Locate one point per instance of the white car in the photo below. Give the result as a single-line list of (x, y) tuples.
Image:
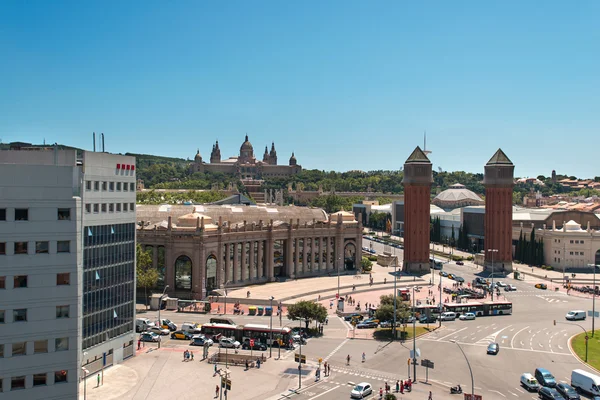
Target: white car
[(229, 343), (500, 283), (510, 288), (361, 390), (158, 330), (467, 316)]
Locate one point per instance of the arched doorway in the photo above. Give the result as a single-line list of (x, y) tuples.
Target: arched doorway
[(349, 256), (597, 259), (211, 273), (183, 273)]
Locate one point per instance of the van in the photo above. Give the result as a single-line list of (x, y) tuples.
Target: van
[(529, 382), (190, 327), (448, 316), (575, 315), (545, 378), (141, 324), (585, 382)]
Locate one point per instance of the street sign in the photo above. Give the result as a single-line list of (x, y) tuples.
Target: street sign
[(473, 397), (251, 342), (418, 353), (226, 383), (427, 363), (300, 358)]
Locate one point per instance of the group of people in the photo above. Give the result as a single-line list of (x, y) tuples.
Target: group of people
[(401, 386), (188, 355)]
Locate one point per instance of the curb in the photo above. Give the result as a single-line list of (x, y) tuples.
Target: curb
[(577, 357)]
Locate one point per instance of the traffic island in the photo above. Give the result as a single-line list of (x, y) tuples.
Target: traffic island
[(593, 348), (386, 333), (229, 359)]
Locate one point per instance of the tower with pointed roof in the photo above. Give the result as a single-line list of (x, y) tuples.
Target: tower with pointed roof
[(293, 160), (215, 155), (266, 155), (499, 182), (246, 152), (417, 193), (273, 155)]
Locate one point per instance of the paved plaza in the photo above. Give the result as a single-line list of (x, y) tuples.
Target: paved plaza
[(528, 339)]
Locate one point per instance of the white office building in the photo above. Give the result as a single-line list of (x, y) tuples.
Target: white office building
[(67, 269)]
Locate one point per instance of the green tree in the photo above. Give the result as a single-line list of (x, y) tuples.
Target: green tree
[(146, 275), (385, 312), (390, 396), (307, 311), (366, 264)]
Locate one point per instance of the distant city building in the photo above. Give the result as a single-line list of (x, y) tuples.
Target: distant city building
[(570, 246), (67, 275), (457, 196), (245, 165)]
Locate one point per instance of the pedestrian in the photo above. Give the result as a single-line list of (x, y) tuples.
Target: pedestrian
[(217, 391), (328, 369), (397, 386), (387, 388), (215, 374), (139, 343), (98, 379), (192, 355), (258, 363), (380, 393), (331, 304), (326, 320), (225, 393), (430, 396), (325, 368), (401, 387), (364, 357), (348, 359), (247, 365)]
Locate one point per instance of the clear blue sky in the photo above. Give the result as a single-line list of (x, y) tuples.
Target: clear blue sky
[(343, 84)]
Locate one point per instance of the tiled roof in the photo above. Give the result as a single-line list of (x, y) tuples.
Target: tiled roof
[(499, 158), (417, 156)]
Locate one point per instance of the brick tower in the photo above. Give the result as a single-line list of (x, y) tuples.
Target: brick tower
[(417, 189), (498, 181)]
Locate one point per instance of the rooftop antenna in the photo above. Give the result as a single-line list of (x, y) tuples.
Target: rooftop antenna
[(94, 141), (102, 142), (427, 152)]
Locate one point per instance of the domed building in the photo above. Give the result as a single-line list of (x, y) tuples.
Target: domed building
[(245, 165), (457, 196)]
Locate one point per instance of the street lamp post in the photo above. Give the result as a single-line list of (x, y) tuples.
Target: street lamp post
[(493, 251), (414, 339), (85, 372), (584, 331), (271, 329), (300, 359), (160, 306), (225, 301), (395, 295), (593, 299), (470, 370)]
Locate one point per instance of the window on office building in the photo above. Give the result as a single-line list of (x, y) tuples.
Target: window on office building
[(88, 208), (19, 349), (111, 186), (42, 247), (96, 208), (1, 316), (96, 185), (2, 248), (131, 206), (118, 207), (21, 214), (118, 186), (63, 278), (1, 354), (40, 346), (64, 214), (63, 246), (62, 311), (17, 382), (39, 379), (20, 247), (2, 214), (20, 281), (125, 186), (581, 241), (571, 253), (20, 315), (88, 185), (103, 207), (61, 344), (111, 207), (124, 207), (132, 187), (2, 282), (104, 186), (60, 376)]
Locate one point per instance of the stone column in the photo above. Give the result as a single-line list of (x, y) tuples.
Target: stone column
[(198, 270), (321, 254), (251, 274), (260, 269), (221, 273), (228, 276), (154, 257), (304, 255), (169, 266), (297, 256), (270, 265), (328, 265), (289, 256), (235, 271)]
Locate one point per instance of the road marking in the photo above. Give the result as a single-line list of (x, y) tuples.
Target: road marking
[(515, 335), (453, 333), (336, 349), (519, 390), (514, 394), (560, 347), (495, 391), (541, 345)]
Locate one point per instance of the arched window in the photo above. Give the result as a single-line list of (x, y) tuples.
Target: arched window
[(349, 256), (211, 273), (597, 260), (160, 266), (183, 273)]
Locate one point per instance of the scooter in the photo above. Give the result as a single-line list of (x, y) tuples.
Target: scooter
[(456, 390)]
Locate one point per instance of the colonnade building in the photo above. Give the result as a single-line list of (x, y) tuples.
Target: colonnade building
[(200, 248)]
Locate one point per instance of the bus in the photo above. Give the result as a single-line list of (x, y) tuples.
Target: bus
[(215, 331), (435, 264), (222, 320), (262, 334), (427, 310), (487, 308)]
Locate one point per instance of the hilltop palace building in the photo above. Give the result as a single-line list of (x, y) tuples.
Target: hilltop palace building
[(246, 166)]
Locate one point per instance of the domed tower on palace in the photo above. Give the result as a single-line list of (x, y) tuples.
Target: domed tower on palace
[(499, 182), (266, 155), (198, 157), (246, 152), (273, 155), (417, 182), (293, 160), (215, 155)]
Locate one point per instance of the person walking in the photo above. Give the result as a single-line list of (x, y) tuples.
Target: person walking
[(325, 368), (430, 396), (192, 355), (401, 387), (98, 379), (380, 393), (397, 386), (217, 391), (348, 359), (258, 363), (364, 356)]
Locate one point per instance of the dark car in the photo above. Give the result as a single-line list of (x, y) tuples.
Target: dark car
[(547, 393), (544, 377), (444, 274), (493, 348), (367, 324), (459, 279), (257, 346), (460, 263), (424, 319), (567, 391), (353, 316)]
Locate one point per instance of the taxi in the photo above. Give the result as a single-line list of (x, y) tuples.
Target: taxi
[(181, 335), (542, 286)]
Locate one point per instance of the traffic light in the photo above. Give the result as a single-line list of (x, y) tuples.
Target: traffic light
[(554, 322), (226, 383)]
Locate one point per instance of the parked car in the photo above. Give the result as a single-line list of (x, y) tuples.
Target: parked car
[(510, 288), (467, 316), (547, 393), (356, 316), (149, 337), (447, 316), (529, 382), (158, 330), (450, 276), (567, 391), (424, 319), (367, 324), (542, 286), (575, 315), (460, 263), (181, 335), (386, 324), (493, 348), (229, 343), (257, 346), (168, 324), (480, 280), (545, 378), (459, 279), (200, 340), (501, 284), (361, 390), (444, 274)]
